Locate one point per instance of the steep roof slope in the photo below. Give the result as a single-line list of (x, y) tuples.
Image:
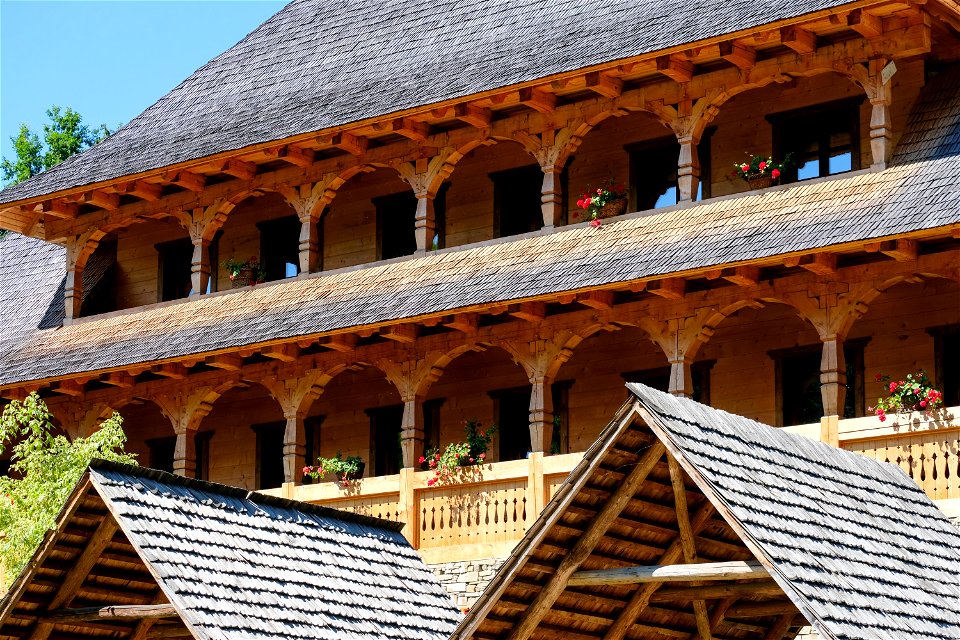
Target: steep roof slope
[(236, 564), (322, 63), (919, 191), (849, 544)]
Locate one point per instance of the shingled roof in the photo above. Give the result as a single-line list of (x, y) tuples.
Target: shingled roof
[(319, 64), (853, 544), (234, 564), (917, 192)]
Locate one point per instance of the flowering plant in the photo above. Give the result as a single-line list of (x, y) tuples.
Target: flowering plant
[(344, 468), (594, 200), (760, 167), (916, 393), (234, 267), (448, 465)]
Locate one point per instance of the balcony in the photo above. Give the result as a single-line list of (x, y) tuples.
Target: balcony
[(485, 515)]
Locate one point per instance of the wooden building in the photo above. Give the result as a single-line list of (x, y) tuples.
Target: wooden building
[(408, 179), (142, 554)]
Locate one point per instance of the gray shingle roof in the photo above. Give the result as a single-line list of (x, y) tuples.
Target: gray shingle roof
[(919, 191), (240, 565), (321, 63), (856, 544)]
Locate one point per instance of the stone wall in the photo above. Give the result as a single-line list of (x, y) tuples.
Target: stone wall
[(466, 580)]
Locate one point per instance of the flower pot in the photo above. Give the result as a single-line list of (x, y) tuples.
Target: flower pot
[(245, 278), (611, 209), (760, 182)]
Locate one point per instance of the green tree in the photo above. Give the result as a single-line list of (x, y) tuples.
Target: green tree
[(64, 135), (45, 468)]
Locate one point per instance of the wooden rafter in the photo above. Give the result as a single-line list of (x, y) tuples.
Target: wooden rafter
[(687, 541), (586, 543), (660, 573), (115, 612)]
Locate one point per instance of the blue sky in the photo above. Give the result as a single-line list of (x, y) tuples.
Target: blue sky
[(108, 60)]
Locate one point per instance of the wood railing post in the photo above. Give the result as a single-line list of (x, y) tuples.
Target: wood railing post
[(409, 508), (535, 485)]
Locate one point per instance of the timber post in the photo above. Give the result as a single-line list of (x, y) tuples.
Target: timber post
[(295, 394), (185, 412), (308, 201), (79, 249), (412, 377), (552, 149), (425, 176), (202, 223)]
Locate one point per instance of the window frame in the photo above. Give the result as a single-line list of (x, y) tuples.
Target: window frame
[(272, 234), (500, 178), (636, 149), (793, 120), (941, 334), (262, 431), (164, 248), (378, 419)]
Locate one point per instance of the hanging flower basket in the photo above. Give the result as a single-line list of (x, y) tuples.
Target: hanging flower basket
[(244, 278), (604, 202), (246, 273), (760, 182), (611, 209)]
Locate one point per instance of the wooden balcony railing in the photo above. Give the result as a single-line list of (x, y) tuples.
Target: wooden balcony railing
[(490, 508)]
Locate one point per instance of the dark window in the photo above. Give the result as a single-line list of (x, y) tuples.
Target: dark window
[(798, 383), (161, 452), (560, 442), (516, 200), (653, 172), (396, 223), (311, 428), (99, 280), (946, 345), (823, 140), (386, 458), (175, 266), (431, 422), (280, 247), (269, 454), (659, 378), (511, 408)]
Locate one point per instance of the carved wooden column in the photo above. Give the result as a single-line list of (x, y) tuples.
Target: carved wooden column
[(688, 120), (79, 249), (680, 337), (681, 378), (541, 414), (202, 223), (688, 168), (413, 374), (295, 393), (833, 376), (185, 411), (309, 201), (881, 96), (425, 176), (552, 149)]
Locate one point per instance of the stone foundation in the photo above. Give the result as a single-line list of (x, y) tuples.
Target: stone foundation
[(465, 581)]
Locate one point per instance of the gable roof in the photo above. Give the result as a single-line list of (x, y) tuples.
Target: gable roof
[(853, 544), (318, 64), (234, 564), (915, 193)]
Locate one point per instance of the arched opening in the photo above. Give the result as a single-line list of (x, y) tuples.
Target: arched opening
[(261, 228), (487, 387), (358, 414), (153, 263), (372, 218)]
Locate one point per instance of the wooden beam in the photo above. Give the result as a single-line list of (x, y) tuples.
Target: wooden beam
[(226, 361), (292, 154), (343, 342), (798, 39), (405, 333), (596, 299), (352, 144), (283, 352), (410, 128), (118, 379), (239, 169), (529, 311), (866, 24), (188, 180), (687, 543), (467, 323), (780, 628), (585, 544), (141, 189), (762, 609), (116, 612), (706, 571), (823, 264), (670, 288), (739, 55), (71, 581), (59, 209), (675, 68), (479, 117), (538, 99), (605, 84), (100, 198), (69, 388), (766, 588), (747, 276), (172, 370), (901, 250)]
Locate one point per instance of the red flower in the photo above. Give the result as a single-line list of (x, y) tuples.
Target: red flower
[(879, 377), (580, 203), (586, 202), (893, 387), (431, 482), (775, 174), (594, 223), (482, 456), (762, 165), (923, 403), (422, 460), (306, 470), (883, 418), (599, 192), (745, 168)]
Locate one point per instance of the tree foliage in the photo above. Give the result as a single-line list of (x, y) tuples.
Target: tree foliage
[(45, 468), (64, 135)]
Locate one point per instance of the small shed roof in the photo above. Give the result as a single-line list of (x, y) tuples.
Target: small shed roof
[(234, 564), (850, 545), (319, 64)]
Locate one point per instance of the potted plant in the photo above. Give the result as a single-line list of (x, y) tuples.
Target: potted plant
[(448, 465), (761, 172), (915, 393), (606, 201), (344, 469), (245, 273)]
